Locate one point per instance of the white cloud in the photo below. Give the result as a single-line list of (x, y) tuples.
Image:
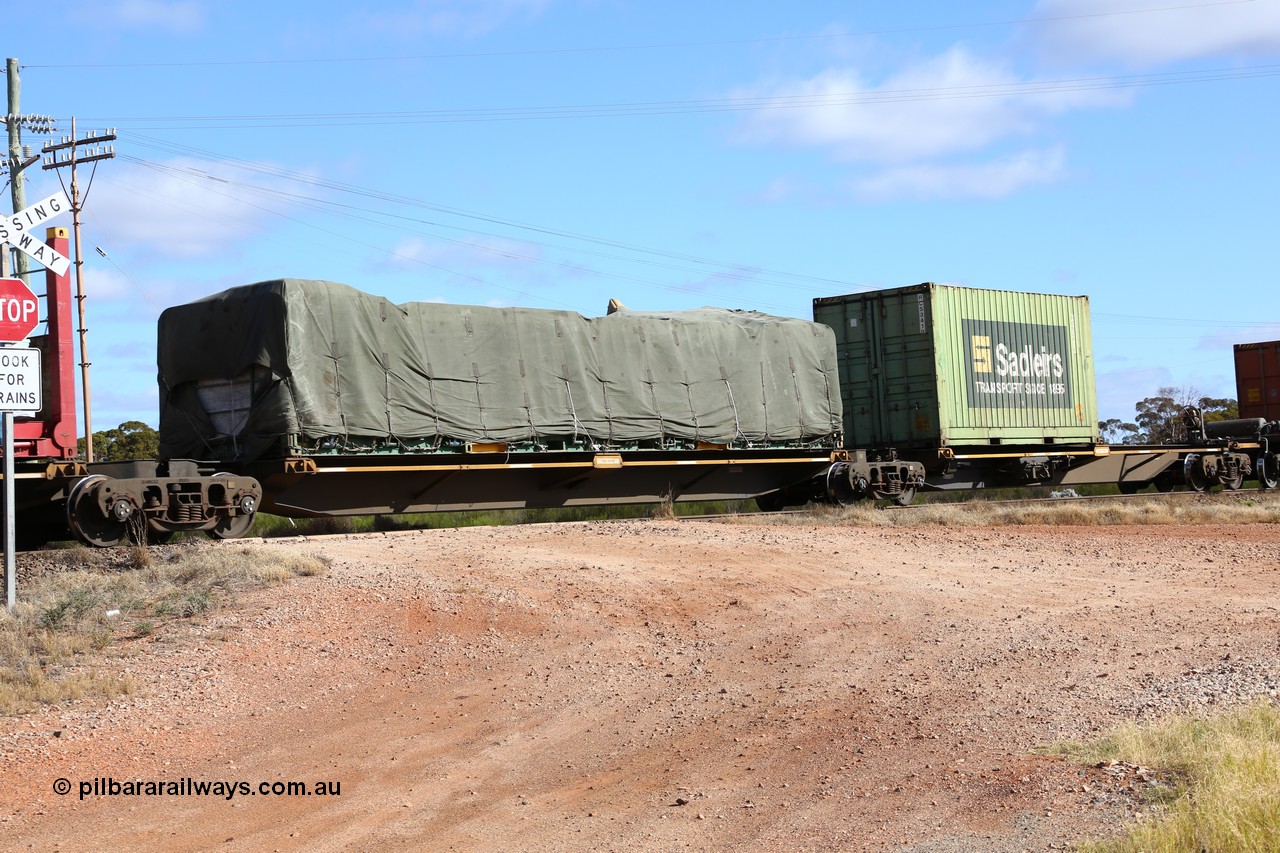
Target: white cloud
[(1098, 31), (995, 179), (187, 209), (488, 253), (955, 102), (107, 284), (911, 131), (452, 17), (174, 16), (779, 189)]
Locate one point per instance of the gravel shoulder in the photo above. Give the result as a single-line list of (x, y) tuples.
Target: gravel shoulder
[(662, 685)]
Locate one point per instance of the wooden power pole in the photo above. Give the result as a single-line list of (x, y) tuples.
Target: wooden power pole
[(67, 153)]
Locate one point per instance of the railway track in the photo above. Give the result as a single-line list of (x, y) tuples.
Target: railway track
[(891, 507), (1144, 496)]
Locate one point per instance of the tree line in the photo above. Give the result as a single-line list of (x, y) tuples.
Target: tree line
[(130, 440), (1158, 419)]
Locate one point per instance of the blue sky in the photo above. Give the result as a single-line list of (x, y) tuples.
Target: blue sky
[(559, 153)]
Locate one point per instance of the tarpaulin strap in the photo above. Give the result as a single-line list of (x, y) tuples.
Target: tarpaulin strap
[(604, 400), (737, 425), (764, 401), (431, 395), (693, 410), (836, 426), (528, 404), (795, 381), (568, 392), (337, 388), (386, 384), (653, 392), (475, 372)]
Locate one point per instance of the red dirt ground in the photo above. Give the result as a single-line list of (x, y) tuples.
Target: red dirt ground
[(662, 685)]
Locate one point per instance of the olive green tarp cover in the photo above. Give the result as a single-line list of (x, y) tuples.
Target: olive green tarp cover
[(329, 361)]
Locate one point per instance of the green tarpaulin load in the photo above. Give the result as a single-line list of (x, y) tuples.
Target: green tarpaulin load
[(328, 367)]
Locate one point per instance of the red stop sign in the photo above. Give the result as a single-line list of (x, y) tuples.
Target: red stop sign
[(19, 310)]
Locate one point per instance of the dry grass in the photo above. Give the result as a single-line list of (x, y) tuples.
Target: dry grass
[(1234, 509), (71, 619), (1228, 799), (665, 508)]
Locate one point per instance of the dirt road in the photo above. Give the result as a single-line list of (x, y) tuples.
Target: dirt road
[(661, 686)]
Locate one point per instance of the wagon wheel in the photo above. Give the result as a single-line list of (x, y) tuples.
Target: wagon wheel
[(906, 496), (237, 525), (231, 528), (88, 524), (1268, 471), (1130, 488), (1193, 473), (1166, 481)]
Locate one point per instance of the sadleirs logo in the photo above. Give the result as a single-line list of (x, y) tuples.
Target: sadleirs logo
[(1016, 365)]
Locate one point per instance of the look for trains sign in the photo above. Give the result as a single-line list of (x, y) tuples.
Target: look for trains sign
[(20, 379), (19, 310)]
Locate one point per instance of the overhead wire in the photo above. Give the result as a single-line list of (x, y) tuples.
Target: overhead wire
[(756, 103), (811, 284), (720, 269), (794, 101), (350, 239), (713, 269), (351, 212), (332, 60)]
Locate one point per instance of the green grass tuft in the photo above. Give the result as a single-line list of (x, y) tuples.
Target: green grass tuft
[(1227, 798)]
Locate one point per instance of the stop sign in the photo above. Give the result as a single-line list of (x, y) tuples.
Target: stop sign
[(19, 310)]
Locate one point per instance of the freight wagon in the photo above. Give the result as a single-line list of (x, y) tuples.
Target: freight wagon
[(308, 398), (342, 403), (946, 374), (996, 388)]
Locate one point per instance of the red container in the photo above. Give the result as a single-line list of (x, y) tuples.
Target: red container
[(1258, 380)]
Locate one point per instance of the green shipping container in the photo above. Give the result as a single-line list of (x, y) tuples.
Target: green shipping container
[(932, 366)]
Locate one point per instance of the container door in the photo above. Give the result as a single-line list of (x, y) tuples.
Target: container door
[(887, 377)]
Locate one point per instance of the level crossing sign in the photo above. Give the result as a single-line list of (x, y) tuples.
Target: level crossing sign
[(17, 229)]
